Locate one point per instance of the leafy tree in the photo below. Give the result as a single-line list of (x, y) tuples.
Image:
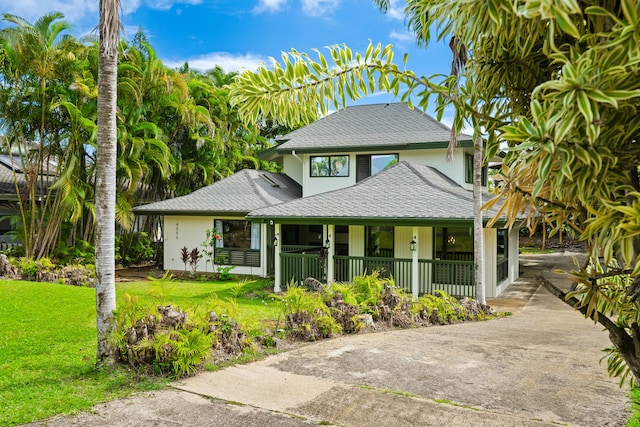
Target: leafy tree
[(556, 84), (38, 59)]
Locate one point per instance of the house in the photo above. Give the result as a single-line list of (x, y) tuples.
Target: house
[(13, 188), (365, 188)]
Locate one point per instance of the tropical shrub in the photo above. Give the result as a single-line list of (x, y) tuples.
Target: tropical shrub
[(164, 341), (306, 314), (134, 248), (440, 309), (80, 253)]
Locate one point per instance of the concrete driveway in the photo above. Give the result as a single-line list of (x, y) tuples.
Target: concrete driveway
[(538, 367)]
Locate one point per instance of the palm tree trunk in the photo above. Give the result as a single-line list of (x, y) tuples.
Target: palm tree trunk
[(105, 196), (478, 238)]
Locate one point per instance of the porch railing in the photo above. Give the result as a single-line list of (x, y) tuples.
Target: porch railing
[(454, 277), (346, 267), (299, 266), (299, 248), (240, 257)]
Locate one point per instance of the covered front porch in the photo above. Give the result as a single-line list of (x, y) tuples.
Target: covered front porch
[(420, 259)]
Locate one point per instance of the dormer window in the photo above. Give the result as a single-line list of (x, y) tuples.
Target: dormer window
[(329, 166)]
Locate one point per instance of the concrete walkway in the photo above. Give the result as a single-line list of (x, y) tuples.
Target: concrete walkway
[(538, 367)]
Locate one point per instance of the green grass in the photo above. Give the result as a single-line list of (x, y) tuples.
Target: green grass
[(534, 250), (253, 298), (48, 343)]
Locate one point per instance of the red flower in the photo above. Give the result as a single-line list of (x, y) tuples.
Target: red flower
[(218, 237)]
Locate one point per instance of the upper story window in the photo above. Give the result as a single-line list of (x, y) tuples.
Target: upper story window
[(329, 165), (370, 164), (468, 170)]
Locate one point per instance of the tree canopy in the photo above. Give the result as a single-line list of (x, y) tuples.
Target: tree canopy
[(554, 84), (176, 130)]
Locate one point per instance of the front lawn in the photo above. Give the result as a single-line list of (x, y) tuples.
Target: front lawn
[(48, 343)]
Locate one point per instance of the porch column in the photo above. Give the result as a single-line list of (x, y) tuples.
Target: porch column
[(415, 267), (276, 256), (330, 262), (263, 249)]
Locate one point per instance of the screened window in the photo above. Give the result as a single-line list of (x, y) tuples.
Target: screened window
[(379, 241), (329, 165), (237, 234), (454, 243)]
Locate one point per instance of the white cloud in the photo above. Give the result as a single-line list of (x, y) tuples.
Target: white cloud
[(403, 38), (80, 13), (271, 6), (396, 11), (309, 7), (167, 4), (75, 11), (319, 7), (226, 60)]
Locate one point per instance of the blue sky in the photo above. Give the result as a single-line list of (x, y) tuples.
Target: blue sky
[(243, 33)]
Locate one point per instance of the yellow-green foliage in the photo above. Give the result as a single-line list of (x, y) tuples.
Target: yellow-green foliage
[(440, 309), (174, 350)]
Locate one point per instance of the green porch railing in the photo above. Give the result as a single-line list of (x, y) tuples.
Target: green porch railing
[(299, 248), (454, 277), (502, 269), (299, 266), (240, 257), (347, 267)]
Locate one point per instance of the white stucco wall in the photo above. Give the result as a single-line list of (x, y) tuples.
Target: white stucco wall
[(190, 232), (514, 254), (297, 167), (293, 167), (425, 243), (356, 240), (184, 231), (437, 158), (402, 238), (490, 260)]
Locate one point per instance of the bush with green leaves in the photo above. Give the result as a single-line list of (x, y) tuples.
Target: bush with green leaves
[(35, 270), (306, 314), (343, 307), (134, 248), (440, 309), (80, 253), (163, 340)]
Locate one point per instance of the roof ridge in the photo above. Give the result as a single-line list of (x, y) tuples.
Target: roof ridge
[(412, 167), (256, 189)]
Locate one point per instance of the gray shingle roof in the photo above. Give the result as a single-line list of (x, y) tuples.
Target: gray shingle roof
[(403, 192), (392, 125), (240, 193)]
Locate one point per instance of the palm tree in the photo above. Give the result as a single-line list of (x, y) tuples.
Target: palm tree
[(41, 57), (105, 192)]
